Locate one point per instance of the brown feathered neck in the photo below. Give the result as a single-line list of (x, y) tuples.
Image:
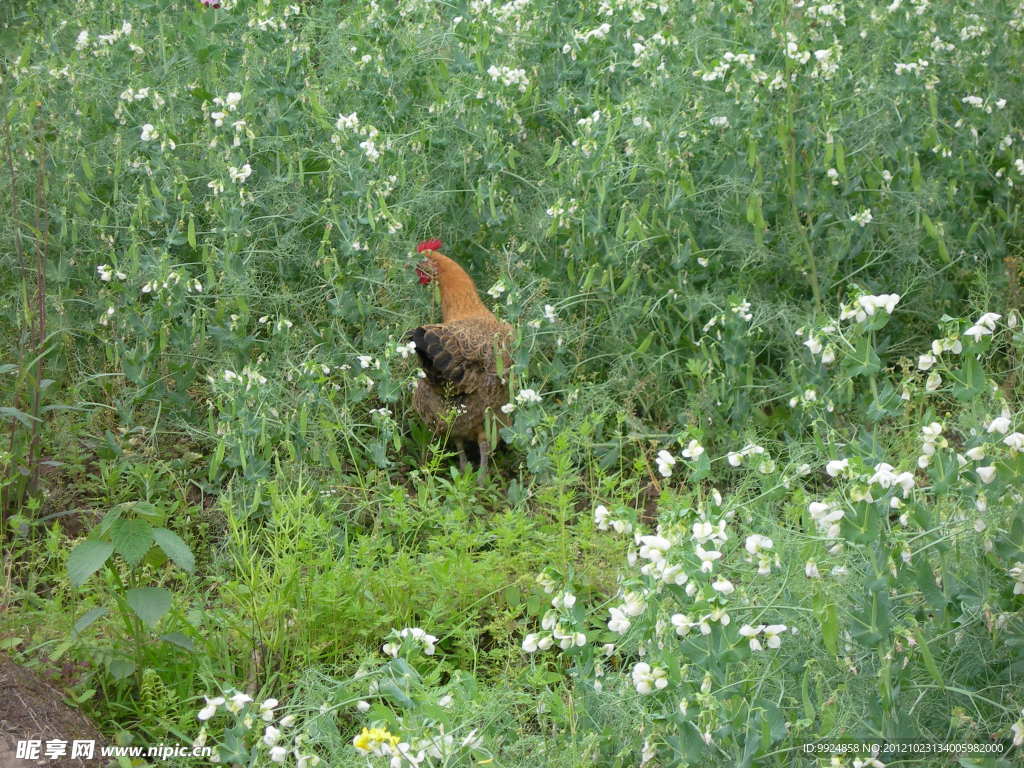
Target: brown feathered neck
[(459, 297)]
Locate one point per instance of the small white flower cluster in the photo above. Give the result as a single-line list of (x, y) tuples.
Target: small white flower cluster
[(633, 604), (406, 350), (606, 520), (496, 290), (914, 67), (560, 626), (238, 704), (192, 285), (562, 211), (107, 273), (510, 77), (350, 124), (759, 547), (597, 33), (368, 361), (735, 458), (805, 398), (886, 477), (931, 438), (985, 326), (655, 549), (742, 310), (249, 378), (239, 175), (227, 105), (417, 636), (647, 679), (863, 218), (103, 41), (826, 515), (826, 62), (281, 324), (827, 352), (771, 633), (527, 397), (866, 306)]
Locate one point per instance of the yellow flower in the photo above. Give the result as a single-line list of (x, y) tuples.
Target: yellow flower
[(372, 739)]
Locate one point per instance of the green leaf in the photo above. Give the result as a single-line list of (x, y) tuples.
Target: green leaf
[(132, 539), (120, 668), (929, 660), (87, 558), (87, 619), (175, 548), (179, 639), (149, 603), (13, 413)]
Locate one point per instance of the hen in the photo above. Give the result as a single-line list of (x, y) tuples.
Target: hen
[(461, 390)]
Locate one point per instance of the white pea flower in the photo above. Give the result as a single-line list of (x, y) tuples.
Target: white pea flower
[(149, 133), (1000, 424), (1014, 441), (836, 466), (723, 585), (752, 632), (925, 362), (693, 450), (987, 474), (278, 754), (977, 331), (989, 320), (239, 175), (665, 461), (811, 570), (239, 700), (528, 397), (618, 623), (211, 708), (862, 217), (267, 709), (772, 632)]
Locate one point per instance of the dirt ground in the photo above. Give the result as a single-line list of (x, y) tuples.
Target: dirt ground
[(31, 708)]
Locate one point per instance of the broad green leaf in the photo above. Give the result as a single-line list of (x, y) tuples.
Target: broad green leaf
[(179, 639), (87, 558), (131, 538), (120, 668), (149, 603), (175, 548), (88, 618)]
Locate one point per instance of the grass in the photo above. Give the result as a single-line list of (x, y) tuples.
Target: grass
[(213, 478)]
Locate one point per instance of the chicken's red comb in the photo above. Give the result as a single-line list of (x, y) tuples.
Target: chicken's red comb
[(428, 245)]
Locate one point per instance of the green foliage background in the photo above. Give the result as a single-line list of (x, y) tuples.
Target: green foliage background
[(226, 383)]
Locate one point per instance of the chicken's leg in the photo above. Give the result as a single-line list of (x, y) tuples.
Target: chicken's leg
[(485, 448)]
